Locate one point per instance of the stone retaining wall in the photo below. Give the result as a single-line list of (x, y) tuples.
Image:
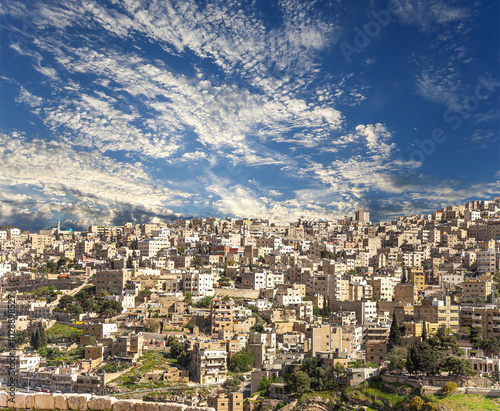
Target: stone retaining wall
[(237, 292), (86, 402)]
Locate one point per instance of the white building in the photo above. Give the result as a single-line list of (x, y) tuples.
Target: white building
[(150, 247), (198, 284)]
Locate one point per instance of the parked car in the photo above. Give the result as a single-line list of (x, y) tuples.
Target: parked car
[(38, 389), (57, 392), (46, 390)]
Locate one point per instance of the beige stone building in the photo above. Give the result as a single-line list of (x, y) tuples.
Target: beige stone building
[(406, 293), (440, 312), (112, 280), (486, 317), (208, 362), (376, 351), (221, 316), (231, 402), (476, 288)]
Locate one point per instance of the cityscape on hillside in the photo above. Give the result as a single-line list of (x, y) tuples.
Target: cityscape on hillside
[(209, 312), (264, 205)]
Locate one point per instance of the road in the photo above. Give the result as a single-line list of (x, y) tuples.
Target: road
[(71, 292)]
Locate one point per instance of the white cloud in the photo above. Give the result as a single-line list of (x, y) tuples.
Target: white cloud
[(52, 173), (426, 13)]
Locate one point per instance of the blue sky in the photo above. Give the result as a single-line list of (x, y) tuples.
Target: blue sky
[(127, 110)]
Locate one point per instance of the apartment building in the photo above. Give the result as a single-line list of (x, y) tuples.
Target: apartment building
[(128, 346), (221, 316), (288, 296), (488, 318), (198, 284), (406, 293), (383, 288), (227, 402), (323, 338), (332, 286), (208, 362), (112, 281), (98, 331), (417, 277), (366, 311), (441, 312), (486, 261), (150, 247), (476, 288)]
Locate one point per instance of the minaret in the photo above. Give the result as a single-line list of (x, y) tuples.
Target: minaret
[(58, 225)]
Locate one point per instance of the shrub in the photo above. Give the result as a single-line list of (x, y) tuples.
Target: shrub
[(416, 404), (449, 388), (430, 406)]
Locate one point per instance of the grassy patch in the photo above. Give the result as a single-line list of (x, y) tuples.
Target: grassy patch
[(460, 402), (374, 391)]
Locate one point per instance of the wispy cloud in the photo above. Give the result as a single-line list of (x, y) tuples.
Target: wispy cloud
[(81, 183)]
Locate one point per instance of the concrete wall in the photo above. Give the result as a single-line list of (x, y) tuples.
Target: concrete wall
[(85, 402)]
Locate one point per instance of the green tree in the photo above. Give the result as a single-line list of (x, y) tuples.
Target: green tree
[(112, 307), (339, 376), (34, 338), (178, 351), (416, 404), (495, 375), (42, 342), (258, 328), (397, 358), (458, 366), (312, 367), (224, 282), (65, 302), (428, 358), (204, 302), (412, 359), (394, 333), (491, 346), (197, 261), (37, 345), (233, 384), (424, 331), (130, 262), (242, 362), (145, 293), (88, 305), (254, 308), (299, 382), (265, 383), (475, 336)]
